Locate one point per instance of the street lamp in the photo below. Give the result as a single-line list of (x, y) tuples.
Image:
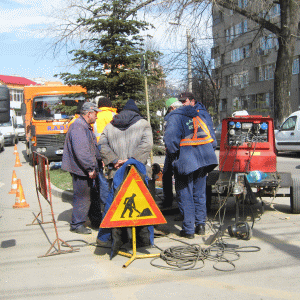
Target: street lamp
[(189, 57)]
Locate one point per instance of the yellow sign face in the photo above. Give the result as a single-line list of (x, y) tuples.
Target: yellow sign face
[(133, 205)]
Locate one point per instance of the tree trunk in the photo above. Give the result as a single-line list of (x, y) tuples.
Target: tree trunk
[(285, 57)]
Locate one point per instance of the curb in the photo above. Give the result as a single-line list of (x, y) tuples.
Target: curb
[(57, 192)]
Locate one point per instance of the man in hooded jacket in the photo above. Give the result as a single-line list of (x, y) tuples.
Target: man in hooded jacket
[(189, 142), (127, 136)]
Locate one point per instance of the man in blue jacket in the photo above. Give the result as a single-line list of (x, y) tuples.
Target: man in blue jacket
[(80, 158), (189, 140), (186, 99)]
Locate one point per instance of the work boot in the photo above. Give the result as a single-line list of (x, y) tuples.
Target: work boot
[(186, 235), (200, 229), (82, 230)]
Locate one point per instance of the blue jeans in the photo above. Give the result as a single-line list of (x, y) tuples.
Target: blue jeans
[(191, 190), (103, 186)]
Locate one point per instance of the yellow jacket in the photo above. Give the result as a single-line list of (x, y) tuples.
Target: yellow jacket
[(74, 118), (103, 118)]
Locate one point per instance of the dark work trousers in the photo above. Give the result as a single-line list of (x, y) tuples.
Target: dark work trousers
[(191, 190), (86, 201), (167, 182)]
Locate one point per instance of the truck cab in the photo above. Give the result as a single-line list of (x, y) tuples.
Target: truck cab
[(47, 111)]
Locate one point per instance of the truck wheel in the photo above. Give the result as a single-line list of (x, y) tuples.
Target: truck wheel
[(27, 150), (16, 140), (30, 158), (211, 180), (295, 195)]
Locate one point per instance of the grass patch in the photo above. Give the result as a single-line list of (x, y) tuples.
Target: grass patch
[(61, 179)]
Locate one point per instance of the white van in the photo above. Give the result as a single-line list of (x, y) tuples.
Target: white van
[(287, 136), (8, 129)]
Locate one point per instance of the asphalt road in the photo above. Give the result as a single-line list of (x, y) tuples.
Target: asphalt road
[(271, 273)]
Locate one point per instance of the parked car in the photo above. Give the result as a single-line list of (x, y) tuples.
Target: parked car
[(1, 142), (218, 132), (287, 136), (21, 131)]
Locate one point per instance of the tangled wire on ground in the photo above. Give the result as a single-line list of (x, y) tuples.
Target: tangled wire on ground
[(181, 258)]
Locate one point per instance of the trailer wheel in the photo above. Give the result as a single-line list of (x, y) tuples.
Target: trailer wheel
[(208, 197), (295, 195), (211, 180)]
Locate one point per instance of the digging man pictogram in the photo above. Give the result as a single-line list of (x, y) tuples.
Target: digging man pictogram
[(129, 205)]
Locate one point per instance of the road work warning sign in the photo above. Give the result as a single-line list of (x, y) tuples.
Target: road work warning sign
[(133, 205)]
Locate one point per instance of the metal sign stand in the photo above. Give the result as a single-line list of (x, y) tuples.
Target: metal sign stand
[(43, 187), (134, 256)]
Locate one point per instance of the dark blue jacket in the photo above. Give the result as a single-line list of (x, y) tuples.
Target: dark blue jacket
[(80, 154), (187, 159), (200, 108)]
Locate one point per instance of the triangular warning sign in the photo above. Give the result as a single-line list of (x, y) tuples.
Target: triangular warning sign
[(133, 205)]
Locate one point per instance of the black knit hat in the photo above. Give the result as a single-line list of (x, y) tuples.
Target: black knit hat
[(130, 105), (104, 102), (185, 95)]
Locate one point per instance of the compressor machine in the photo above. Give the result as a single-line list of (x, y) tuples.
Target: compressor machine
[(247, 168)]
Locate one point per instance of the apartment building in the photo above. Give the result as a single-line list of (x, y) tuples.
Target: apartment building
[(244, 62)]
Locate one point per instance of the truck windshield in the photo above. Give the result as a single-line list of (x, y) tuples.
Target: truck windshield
[(55, 107)]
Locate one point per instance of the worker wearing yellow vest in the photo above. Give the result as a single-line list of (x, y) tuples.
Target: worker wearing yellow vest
[(103, 118), (189, 141)]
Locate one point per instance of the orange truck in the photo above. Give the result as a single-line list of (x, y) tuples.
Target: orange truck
[(46, 111)]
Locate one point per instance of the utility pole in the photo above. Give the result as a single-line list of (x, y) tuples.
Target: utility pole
[(189, 60), (189, 57)]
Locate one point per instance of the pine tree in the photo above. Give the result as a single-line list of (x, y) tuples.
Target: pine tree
[(110, 66)]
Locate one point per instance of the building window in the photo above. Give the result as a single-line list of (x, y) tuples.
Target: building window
[(16, 95), (240, 53), (223, 105), (236, 103), (217, 17), (265, 72), (245, 26), (275, 11), (262, 101), (295, 69), (242, 3), (217, 62), (245, 102)]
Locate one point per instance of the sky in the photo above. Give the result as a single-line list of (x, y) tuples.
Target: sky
[(24, 43), (21, 45)]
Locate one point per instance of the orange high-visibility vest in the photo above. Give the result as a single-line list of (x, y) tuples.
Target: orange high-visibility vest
[(195, 140)]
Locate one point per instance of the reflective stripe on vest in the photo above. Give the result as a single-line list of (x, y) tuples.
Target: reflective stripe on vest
[(195, 140)]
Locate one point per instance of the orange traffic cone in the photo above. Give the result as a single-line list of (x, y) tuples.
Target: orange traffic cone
[(20, 198), (18, 163), (14, 185), (15, 149)]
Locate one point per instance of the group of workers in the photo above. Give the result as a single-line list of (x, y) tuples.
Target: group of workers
[(102, 137)]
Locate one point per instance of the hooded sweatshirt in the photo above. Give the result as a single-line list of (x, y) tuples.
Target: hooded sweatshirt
[(127, 136)]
